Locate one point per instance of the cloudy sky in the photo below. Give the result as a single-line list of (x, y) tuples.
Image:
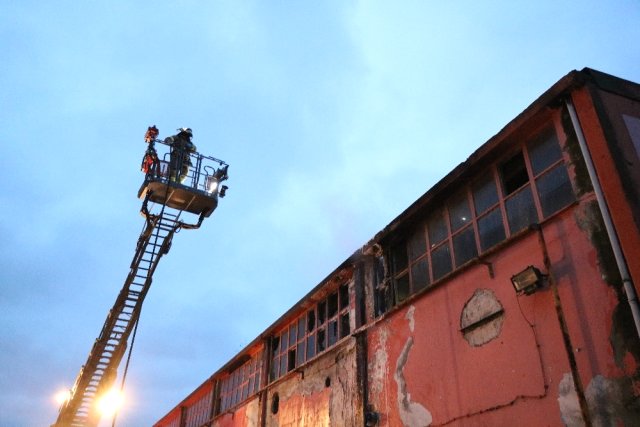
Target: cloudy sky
[(334, 117)]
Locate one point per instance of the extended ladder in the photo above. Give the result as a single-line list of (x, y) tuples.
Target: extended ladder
[(197, 194), (99, 372)]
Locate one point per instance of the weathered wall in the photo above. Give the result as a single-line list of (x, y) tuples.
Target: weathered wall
[(323, 394), (470, 351), (246, 415), (423, 372), (616, 162)]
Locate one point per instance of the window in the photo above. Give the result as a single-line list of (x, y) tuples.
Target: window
[(515, 185), (311, 334), (486, 203), (441, 261), (410, 265), (521, 212), (491, 229), (506, 198), (464, 238), (633, 126), (241, 383), (199, 412), (437, 229), (439, 245), (551, 178), (514, 174)]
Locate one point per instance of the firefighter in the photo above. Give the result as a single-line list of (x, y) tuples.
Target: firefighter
[(180, 159), (150, 163)]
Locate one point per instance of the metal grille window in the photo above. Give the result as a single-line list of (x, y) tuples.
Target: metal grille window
[(198, 413), (499, 204), (312, 333), (241, 383)]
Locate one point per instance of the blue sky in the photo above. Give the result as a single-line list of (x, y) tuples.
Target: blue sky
[(334, 117)]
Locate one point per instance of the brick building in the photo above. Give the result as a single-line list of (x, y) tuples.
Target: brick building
[(503, 296)]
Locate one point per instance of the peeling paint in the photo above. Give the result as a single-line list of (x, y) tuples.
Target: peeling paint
[(568, 401), (412, 414), (609, 403), (378, 369), (251, 414), (409, 317)]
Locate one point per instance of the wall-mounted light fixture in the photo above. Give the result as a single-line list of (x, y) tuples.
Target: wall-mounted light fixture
[(527, 281)]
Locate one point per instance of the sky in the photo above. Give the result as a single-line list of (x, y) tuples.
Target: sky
[(334, 116)]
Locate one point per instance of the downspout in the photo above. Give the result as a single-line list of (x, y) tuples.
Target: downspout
[(629, 289)]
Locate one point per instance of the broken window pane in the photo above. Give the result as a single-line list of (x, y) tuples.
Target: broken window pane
[(521, 211), (284, 341), (544, 151), (322, 312), (345, 327), (437, 228), (344, 297), (322, 344), (291, 360), (459, 212), (311, 320), (491, 229), (333, 333), (514, 174), (485, 194), (464, 246), (332, 305), (441, 261), (554, 190), (420, 275)]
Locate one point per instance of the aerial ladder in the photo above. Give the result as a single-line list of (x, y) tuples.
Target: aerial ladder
[(178, 181)]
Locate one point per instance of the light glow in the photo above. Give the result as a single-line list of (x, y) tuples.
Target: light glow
[(213, 185), (62, 396), (110, 402)]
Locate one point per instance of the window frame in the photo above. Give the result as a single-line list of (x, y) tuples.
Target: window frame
[(402, 279), (288, 359), (247, 376)]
